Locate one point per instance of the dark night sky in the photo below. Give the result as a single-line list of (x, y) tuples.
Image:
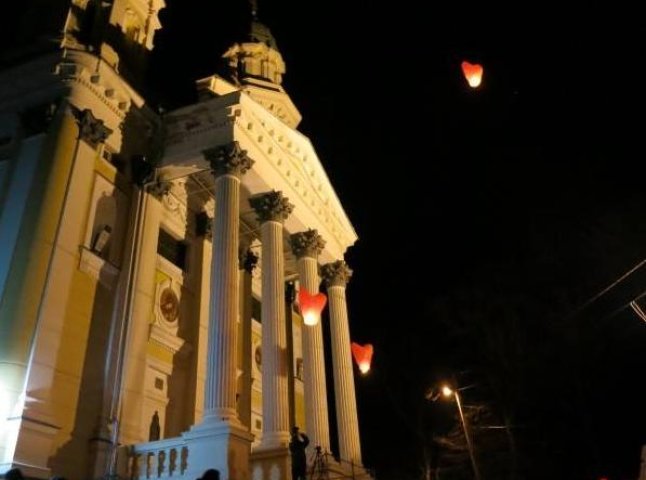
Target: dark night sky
[(485, 218), (525, 196)]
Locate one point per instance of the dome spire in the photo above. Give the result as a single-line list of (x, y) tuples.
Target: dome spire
[(253, 4)]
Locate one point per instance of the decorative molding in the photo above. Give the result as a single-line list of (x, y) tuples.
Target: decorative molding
[(271, 206), (336, 274), (166, 340), (91, 129), (170, 269), (99, 269), (228, 159), (307, 244)]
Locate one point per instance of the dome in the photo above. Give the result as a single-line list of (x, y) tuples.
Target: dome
[(260, 33)]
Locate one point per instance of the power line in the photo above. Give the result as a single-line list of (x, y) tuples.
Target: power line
[(594, 298)]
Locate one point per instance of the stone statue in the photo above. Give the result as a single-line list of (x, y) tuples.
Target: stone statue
[(155, 429)]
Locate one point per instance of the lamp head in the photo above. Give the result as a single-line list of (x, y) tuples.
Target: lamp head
[(447, 391)]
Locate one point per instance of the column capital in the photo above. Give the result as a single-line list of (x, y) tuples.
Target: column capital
[(307, 244), (247, 260), (336, 274), (228, 159), (92, 130), (271, 206)]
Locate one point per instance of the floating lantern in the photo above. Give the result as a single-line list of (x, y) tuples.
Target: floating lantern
[(311, 306), (363, 356), (473, 73)]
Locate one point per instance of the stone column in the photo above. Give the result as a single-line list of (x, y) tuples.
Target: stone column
[(272, 210), (306, 246), (247, 263), (204, 234), (336, 276), (220, 441), (228, 163)]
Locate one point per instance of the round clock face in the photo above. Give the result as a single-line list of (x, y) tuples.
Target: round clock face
[(169, 305)]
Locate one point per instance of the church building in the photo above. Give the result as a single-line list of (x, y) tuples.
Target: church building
[(151, 264)]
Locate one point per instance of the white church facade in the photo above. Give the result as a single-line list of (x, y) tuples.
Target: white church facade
[(149, 266)]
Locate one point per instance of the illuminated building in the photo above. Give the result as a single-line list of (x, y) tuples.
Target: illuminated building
[(144, 264)]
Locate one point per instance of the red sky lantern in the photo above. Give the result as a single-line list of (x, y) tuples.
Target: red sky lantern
[(473, 73), (311, 306), (363, 356)]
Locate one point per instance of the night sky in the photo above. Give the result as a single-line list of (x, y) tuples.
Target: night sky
[(488, 220)]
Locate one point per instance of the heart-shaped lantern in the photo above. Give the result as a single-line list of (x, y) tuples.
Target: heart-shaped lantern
[(473, 73), (363, 356), (311, 306)]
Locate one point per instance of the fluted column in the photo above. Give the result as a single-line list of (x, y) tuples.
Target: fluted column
[(228, 163), (306, 246), (272, 210), (247, 263), (336, 276)]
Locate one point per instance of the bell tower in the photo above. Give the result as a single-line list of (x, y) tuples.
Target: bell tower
[(256, 66)]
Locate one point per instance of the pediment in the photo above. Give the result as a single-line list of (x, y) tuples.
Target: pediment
[(284, 158)]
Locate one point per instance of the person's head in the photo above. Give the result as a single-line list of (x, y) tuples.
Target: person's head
[(14, 474), (211, 474), (294, 431)]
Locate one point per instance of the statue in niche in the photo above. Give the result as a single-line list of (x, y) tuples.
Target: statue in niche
[(155, 429)]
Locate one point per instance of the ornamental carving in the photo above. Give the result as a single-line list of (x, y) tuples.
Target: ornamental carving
[(159, 189), (336, 274), (167, 306), (247, 260), (91, 130), (307, 244), (271, 206), (228, 159)]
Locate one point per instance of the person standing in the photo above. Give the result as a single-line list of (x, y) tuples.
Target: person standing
[(297, 446)]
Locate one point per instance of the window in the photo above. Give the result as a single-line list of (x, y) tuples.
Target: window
[(172, 249)]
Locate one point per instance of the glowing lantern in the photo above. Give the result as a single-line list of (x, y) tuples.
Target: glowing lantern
[(473, 73), (311, 306), (362, 355)]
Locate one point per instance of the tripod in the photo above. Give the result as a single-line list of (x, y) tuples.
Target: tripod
[(319, 467)]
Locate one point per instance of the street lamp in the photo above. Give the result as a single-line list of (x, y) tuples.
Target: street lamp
[(448, 392)]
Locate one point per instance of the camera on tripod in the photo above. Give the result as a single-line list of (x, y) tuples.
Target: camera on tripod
[(319, 467)]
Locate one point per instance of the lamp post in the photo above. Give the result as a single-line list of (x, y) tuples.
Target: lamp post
[(448, 392)]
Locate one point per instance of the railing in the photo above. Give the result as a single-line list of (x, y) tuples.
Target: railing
[(326, 466), (168, 459), (159, 459)]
